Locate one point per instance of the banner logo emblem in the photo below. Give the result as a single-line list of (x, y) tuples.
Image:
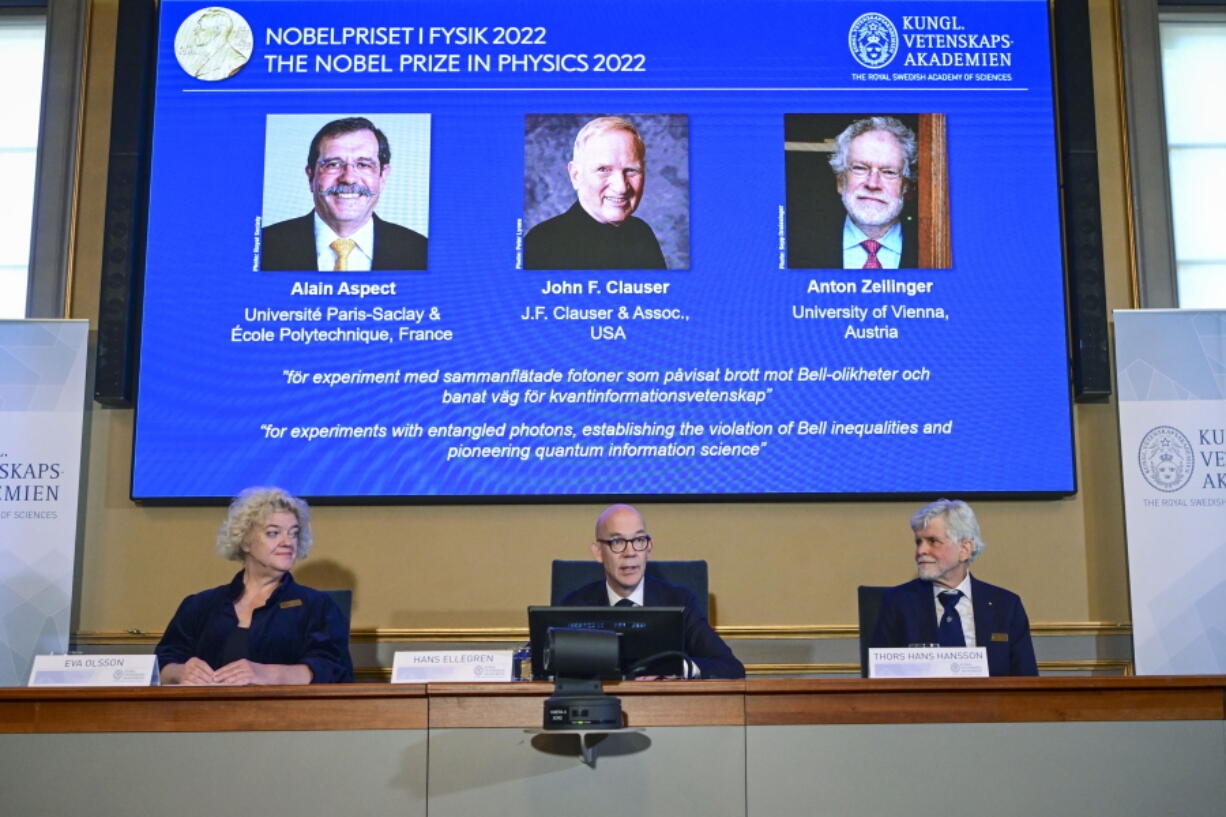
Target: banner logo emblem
[(1166, 458), (213, 44), (873, 40)]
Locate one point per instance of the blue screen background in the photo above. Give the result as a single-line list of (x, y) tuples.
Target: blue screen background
[(998, 365)]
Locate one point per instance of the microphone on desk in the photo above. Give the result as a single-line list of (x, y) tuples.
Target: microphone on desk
[(578, 659)]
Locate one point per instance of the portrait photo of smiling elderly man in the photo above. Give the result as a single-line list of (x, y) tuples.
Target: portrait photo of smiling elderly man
[(606, 192), (869, 193), (348, 175)]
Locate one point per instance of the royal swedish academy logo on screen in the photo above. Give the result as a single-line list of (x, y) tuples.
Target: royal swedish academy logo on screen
[(873, 40), (1166, 458)]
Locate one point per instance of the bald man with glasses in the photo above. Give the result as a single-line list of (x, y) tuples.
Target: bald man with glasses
[(623, 546)]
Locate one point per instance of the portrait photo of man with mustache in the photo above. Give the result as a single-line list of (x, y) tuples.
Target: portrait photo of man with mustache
[(348, 168), (868, 218)]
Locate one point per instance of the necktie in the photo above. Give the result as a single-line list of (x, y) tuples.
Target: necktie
[(342, 247), (870, 246), (624, 603), (949, 633)]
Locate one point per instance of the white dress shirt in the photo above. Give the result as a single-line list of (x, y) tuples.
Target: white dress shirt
[(635, 596), (966, 610), (854, 255), (359, 258)]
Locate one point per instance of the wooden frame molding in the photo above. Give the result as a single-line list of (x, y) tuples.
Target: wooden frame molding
[(935, 250)]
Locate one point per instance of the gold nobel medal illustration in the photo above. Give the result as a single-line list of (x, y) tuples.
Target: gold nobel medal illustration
[(213, 44)]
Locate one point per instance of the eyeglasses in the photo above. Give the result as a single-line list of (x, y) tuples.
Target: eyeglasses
[(639, 543), (860, 171), (333, 166)]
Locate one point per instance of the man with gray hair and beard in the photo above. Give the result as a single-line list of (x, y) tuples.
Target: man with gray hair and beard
[(347, 168), (874, 164), (948, 606)]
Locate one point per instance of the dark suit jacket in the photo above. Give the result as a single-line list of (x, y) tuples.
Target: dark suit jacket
[(823, 249), (297, 625), (704, 647), (908, 616), (290, 245)]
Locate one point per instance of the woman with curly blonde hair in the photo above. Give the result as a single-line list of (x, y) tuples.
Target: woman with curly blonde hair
[(262, 627)]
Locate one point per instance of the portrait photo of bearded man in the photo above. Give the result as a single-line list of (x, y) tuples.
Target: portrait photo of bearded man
[(852, 192)]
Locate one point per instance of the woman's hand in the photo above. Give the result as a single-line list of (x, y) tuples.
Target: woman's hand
[(243, 671), (192, 672)]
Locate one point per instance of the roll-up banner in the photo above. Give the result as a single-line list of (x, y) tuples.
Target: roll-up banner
[(42, 399), (1171, 367)]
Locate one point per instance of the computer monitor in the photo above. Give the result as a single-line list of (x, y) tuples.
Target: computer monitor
[(645, 631)]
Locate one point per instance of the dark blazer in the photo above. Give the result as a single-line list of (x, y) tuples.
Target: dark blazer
[(297, 625), (290, 246), (575, 240), (823, 249), (704, 647), (908, 616)]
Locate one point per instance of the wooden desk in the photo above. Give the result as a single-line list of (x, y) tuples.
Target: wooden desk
[(644, 703), (214, 709), (985, 700), (999, 747)]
